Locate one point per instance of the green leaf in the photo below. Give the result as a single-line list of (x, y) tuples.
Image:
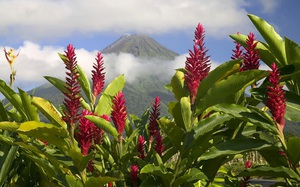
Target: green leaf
[(292, 106), (191, 176), (49, 111), (172, 131), (105, 101), (6, 167), (43, 131), (228, 87), (292, 50), (177, 85), (85, 84), (30, 110), (73, 182), (3, 114), (103, 124), (236, 146), (275, 42), (10, 126), (80, 161), (216, 75), (12, 97), (157, 171), (275, 172), (186, 112), (174, 109), (99, 181), (292, 151), (59, 84)]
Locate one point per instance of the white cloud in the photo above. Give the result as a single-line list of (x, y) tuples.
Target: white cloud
[(41, 20)]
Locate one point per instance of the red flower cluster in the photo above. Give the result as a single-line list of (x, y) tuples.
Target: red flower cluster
[(276, 100), (98, 76), (197, 65), (134, 174), (250, 56), (141, 147), (119, 114), (246, 180), (238, 52), (154, 116), (159, 146), (71, 102)]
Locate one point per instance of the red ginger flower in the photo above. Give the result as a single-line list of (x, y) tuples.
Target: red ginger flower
[(238, 52), (141, 147), (98, 75), (119, 114), (88, 133), (71, 101), (154, 116), (159, 147), (251, 57), (276, 100), (197, 64), (246, 180), (134, 174)]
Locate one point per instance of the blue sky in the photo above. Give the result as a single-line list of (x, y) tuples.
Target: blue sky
[(41, 28)]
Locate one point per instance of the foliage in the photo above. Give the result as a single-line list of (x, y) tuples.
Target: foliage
[(208, 128)]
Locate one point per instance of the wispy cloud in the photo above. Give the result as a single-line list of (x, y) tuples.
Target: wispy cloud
[(49, 19)]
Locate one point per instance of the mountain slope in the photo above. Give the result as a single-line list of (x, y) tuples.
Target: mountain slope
[(140, 45)]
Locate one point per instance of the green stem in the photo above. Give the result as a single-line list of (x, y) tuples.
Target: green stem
[(176, 169)]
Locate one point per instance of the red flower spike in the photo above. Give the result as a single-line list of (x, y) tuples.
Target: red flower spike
[(154, 116), (238, 52), (197, 65), (248, 164), (246, 180), (141, 147), (71, 101), (276, 100), (119, 114), (88, 133), (98, 76), (159, 147), (250, 56), (134, 174)]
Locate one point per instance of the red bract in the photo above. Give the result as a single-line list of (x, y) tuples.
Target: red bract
[(238, 52), (134, 174), (276, 100), (246, 180), (119, 114), (71, 101), (154, 116), (141, 147), (98, 75), (250, 56), (159, 147), (88, 133), (197, 65)]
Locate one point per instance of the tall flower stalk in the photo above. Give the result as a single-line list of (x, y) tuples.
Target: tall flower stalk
[(134, 174), (11, 58), (98, 76), (153, 127), (238, 51), (197, 65), (71, 101), (141, 147), (276, 100)]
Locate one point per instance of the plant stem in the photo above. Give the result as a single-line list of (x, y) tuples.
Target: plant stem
[(176, 169)]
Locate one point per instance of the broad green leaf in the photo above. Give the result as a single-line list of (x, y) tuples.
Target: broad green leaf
[(292, 106), (157, 171), (292, 50), (30, 110), (174, 109), (105, 101), (73, 181), (190, 176), (228, 87), (85, 84), (219, 73), (3, 114), (10, 126), (99, 181), (80, 161), (103, 124), (186, 112), (236, 146), (275, 42), (172, 131), (292, 150), (256, 117), (177, 85), (43, 131), (275, 172), (58, 83), (49, 111), (12, 97)]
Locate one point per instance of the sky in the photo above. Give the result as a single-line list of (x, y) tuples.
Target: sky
[(39, 29)]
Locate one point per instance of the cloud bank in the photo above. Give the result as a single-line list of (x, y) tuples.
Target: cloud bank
[(52, 19)]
